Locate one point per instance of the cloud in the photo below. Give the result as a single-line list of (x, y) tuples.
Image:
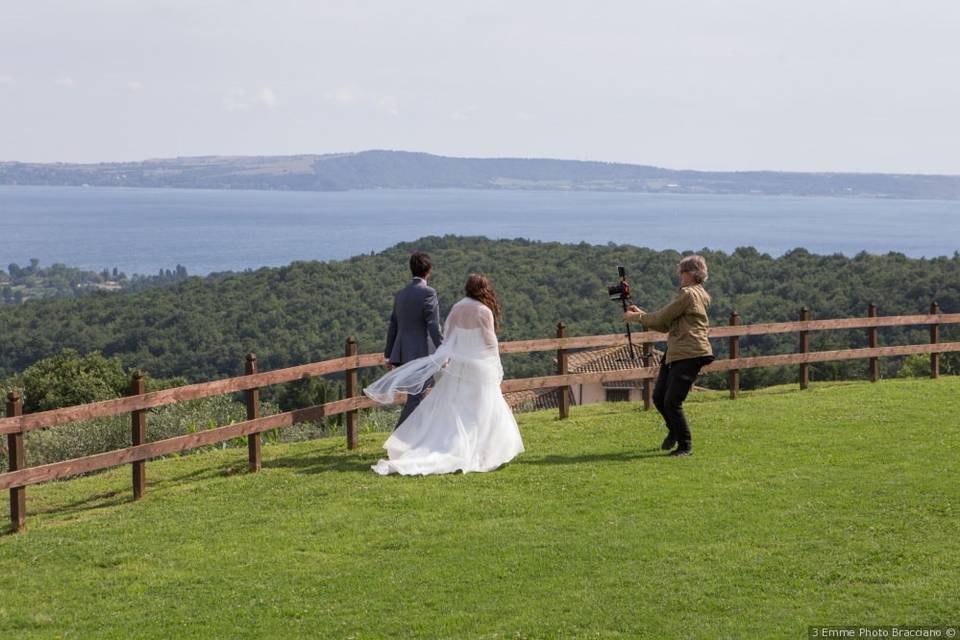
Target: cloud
[(242, 100), (462, 115), (236, 100), (389, 105), (351, 97), (134, 85), (267, 97), (6, 80), (342, 96), (66, 82)]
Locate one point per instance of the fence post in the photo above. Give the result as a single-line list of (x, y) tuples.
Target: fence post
[(734, 354), (562, 371), (138, 435), (252, 397), (18, 495), (804, 348), (351, 427), (647, 384), (872, 343), (934, 339)]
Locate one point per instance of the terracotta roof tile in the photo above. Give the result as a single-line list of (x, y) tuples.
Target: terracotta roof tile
[(608, 359), (533, 399)]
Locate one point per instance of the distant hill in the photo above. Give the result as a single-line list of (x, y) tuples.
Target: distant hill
[(406, 170)]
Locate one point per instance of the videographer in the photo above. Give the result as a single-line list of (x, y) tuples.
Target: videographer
[(688, 349)]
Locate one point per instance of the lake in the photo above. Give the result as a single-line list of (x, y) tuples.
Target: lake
[(144, 230)]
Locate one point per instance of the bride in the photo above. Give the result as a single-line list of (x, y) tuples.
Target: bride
[(464, 424)]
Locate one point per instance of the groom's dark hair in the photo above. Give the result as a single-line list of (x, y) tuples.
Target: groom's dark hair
[(420, 264)]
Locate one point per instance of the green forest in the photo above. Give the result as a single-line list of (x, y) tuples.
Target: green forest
[(200, 328)]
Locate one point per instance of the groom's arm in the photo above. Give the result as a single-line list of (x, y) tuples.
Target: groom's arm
[(431, 317), (391, 333)]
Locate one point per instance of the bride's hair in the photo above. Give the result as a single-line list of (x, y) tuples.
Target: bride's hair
[(479, 288)]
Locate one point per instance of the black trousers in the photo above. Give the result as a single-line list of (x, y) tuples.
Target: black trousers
[(673, 385), (413, 401)]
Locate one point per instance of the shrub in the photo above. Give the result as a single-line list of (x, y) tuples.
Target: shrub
[(68, 379)]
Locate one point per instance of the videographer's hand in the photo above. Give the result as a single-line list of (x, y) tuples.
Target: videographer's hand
[(387, 364), (633, 313)]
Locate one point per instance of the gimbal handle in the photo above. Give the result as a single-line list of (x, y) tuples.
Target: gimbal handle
[(633, 356)]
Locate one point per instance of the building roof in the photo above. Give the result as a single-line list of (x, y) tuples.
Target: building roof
[(609, 359), (533, 399)]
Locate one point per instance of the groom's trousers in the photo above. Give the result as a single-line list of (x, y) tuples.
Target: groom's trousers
[(413, 401), (673, 384)]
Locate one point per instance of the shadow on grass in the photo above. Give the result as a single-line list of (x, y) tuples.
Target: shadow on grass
[(309, 463), (319, 463), (625, 456), (95, 501), (312, 463), (107, 499), (787, 389), (306, 463)]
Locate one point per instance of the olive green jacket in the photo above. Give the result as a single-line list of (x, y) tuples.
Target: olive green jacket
[(685, 320)]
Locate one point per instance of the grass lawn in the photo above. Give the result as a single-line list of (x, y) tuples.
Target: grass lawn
[(837, 505)]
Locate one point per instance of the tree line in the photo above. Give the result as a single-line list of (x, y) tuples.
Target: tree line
[(199, 328), (21, 283)]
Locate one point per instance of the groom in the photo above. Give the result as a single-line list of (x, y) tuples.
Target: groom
[(414, 324)]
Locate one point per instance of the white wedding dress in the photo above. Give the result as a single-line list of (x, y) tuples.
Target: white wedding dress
[(464, 423)]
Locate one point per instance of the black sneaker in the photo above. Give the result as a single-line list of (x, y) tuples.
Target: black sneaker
[(681, 452), (668, 443)]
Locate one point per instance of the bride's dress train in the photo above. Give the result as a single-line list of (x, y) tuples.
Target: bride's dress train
[(464, 423)]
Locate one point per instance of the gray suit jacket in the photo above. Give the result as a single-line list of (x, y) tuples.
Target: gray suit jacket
[(415, 322)]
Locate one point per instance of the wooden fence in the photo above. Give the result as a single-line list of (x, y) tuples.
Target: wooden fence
[(16, 425)]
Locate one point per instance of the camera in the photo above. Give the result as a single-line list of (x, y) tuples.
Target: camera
[(621, 290), (621, 293)]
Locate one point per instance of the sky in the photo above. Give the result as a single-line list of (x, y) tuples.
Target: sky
[(806, 85)]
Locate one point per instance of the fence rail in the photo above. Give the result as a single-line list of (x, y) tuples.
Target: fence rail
[(15, 425)]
